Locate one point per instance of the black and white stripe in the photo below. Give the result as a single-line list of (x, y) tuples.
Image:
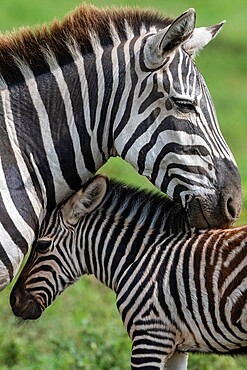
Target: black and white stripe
[(178, 290), (97, 85)]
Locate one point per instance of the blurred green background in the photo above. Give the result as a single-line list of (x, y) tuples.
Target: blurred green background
[(82, 329)]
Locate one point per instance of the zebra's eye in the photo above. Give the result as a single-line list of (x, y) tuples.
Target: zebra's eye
[(184, 106), (43, 245)]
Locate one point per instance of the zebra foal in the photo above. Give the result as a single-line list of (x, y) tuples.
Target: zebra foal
[(102, 83), (178, 290)]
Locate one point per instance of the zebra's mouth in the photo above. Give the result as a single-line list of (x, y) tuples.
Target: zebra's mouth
[(196, 215), (32, 312)]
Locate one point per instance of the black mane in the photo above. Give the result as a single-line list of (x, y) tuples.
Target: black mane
[(172, 213)]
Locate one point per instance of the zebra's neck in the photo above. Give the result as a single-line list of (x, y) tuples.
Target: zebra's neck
[(48, 149), (67, 148), (142, 218), (70, 94)]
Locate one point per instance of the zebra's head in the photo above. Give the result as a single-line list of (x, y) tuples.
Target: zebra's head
[(172, 135), (54, 263)]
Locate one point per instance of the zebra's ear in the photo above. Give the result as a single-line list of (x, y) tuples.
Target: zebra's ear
[(85, 200), (200, 38), (160, 45)]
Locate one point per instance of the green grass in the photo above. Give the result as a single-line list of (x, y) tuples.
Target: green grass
[(82, 329)]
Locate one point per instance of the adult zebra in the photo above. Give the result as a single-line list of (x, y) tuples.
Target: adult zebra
[(178, 289), (102, 83)]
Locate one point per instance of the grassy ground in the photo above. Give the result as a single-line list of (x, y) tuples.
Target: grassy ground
[(82, 329)]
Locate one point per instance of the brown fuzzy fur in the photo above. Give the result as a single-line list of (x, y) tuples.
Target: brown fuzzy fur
[(27, 43)]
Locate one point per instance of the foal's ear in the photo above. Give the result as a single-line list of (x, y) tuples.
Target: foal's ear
[(85, 200)]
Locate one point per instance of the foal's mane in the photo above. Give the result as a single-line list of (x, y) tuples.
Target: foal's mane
[(28, 44), (172, 215)]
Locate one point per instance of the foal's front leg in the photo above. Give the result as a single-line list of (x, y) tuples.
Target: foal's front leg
[(149, 354), (178, 361)]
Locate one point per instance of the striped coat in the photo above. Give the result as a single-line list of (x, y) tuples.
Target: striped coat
[(178, 290), (102, 83)]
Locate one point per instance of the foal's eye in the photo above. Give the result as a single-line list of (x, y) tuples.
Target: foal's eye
[(43, 245)]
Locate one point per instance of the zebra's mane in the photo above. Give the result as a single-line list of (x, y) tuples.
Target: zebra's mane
[(171, 214), (28, 44)]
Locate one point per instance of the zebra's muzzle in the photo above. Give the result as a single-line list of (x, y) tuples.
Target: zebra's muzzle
[(204, 212), (221, 207), (23, 305)]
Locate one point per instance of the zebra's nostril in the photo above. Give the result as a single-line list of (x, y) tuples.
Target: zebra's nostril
[(231, 208), (13, 300)]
